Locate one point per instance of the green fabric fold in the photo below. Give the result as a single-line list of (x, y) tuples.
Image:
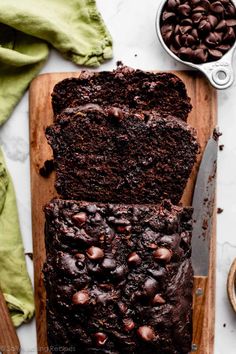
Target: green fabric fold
[(74, 27), (14, 279)]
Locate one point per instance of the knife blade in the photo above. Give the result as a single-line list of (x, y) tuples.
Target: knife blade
[(203, 211)]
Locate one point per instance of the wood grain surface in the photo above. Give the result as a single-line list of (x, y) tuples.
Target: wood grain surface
[(9, 342), (203, 117)]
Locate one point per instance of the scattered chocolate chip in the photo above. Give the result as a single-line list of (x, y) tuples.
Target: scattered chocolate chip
[(220, 210), (158, 300), (221, 147), (47, 168), (134, 259), (101, 338), (128, 324), (163, 254), (146, 333), (29, 254), (224, 325), (95, 253), (80, 218), (81, 298), (216, 134)]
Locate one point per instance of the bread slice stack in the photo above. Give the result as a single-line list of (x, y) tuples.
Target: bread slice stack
[(118, 272)]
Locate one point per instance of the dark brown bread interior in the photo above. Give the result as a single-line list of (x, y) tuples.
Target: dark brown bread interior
[(110, 155)]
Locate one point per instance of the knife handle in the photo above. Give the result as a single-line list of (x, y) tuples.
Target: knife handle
[(199, 300), (9, 342), (231, 285)]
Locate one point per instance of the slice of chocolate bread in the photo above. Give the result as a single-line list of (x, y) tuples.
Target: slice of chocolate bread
[(110, 155), (124, 87), (118, 278)]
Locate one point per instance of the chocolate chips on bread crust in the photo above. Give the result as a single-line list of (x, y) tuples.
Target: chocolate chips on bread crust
[(113, 155), (199, 31), (124, 88), (118, 278)]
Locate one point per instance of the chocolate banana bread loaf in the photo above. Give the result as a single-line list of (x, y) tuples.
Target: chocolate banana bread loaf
[(124, 87), (118, 278), (114, 155)]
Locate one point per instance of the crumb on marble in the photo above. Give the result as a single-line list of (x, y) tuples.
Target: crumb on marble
[(221, 147), (220, 210)]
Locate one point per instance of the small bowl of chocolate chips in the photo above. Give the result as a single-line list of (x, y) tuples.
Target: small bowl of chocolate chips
[(201, 34)]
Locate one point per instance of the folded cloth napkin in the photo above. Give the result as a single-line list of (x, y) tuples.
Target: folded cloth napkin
[(73, 27), (14, 279)]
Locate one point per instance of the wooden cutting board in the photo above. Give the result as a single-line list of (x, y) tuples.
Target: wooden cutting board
[(203, 117)]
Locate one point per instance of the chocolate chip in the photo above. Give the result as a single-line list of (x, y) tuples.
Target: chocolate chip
[(146, 333), (101, 338), (184, 10), (152, 246), (200, 55), (134, 259), (223, 48), (128, 324), (109, 264), (212, 20), (116, 113), (185, 29), (92, 209), (204, 26), (222, 26), (168, 15), (80, 218), (122, 307), (80, 257), (163, 254), (185, 53), (215, 54), (197, 17), (199, 9), (95, 253), (213, 39), (186, 22), (231, 22), (120, 272), (150, 286), (81, 298), (187, 40), (229, 37), (158, 300), (172, 4), (217, 7)]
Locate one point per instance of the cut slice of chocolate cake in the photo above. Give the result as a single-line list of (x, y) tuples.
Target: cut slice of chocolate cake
[(113, 155), (118, 278), (124, 87)]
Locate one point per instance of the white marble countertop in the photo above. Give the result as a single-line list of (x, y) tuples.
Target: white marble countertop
[(131, 23)]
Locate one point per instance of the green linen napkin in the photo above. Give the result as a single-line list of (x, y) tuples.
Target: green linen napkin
[(14, 279), (74, 27)]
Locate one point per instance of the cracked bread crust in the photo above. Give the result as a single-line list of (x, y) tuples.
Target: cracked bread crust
[(124, 87)]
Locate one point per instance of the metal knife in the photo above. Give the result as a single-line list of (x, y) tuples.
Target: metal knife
[(203, 211)]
